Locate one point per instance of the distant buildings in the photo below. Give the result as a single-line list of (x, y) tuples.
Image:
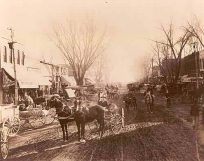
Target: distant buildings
[(189, 64), (169, 67), (156, 71)]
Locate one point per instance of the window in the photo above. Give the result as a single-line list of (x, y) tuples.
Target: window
[(18, 58), (202, 63), (23, 58), (11, 56), (5, 54)]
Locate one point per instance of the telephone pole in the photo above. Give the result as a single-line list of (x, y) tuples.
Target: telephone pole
[(195, 46), (11, 43), (152, 66), (57, 74)]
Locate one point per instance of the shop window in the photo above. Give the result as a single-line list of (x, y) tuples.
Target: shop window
[(5, 54), (11, 56), (23, 58), (18, 58), (201, 63)]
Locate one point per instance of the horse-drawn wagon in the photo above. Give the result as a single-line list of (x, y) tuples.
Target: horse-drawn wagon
[(37, 117), (10, 125), (37, 114), (113, 93), (103, 118)]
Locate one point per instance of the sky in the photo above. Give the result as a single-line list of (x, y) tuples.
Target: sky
[(130, 26)]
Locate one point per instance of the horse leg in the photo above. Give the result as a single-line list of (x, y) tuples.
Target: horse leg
[(136, 105), (83, 130), (148, 108), (101, 130), (63, 129), (66, 131), (101, 127), (79, 130), (127, 106)]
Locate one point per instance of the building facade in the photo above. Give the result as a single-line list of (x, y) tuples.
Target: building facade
[(191, 62), (29, 76), (7, 58)]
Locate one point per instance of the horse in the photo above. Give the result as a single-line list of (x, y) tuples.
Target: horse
[(64, 113), (149, 100), (86, 113)]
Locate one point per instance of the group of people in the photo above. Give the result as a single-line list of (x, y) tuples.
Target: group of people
[(111, 90), (130, 100)]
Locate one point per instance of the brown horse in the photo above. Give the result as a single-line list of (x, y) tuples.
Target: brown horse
[(86, 113), (64, 114)]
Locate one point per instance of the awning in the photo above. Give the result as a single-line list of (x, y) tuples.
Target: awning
[(44, 81), (68, 81), (190, 79), (7, 80), (25, 79)]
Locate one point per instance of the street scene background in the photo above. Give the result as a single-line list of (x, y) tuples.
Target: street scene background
[(101, 80)]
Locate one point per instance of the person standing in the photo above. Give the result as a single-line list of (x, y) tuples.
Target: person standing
[(148, 100), (127, 101), (195, 113), (28, 100)]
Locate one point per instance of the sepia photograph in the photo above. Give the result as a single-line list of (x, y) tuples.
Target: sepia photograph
[(101, 80)]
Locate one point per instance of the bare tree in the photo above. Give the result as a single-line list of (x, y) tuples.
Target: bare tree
[(159, 55), (80, 45), (99, 69), (169, 52), (195, 28)]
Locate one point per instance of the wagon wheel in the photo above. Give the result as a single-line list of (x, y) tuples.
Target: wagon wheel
[(14, 126), (50, 117), (37, 121), (116, 124), (4, 142)]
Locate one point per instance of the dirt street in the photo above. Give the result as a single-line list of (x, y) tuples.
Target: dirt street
[(157, 136)]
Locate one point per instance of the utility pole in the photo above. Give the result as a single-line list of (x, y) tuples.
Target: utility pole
[(14, 64), (196, 63), (152, 66), (52, 66)]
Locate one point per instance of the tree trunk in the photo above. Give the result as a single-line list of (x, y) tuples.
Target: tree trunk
[(80, 81)]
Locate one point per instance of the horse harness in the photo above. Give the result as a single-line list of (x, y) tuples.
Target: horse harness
[(63, 110)]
